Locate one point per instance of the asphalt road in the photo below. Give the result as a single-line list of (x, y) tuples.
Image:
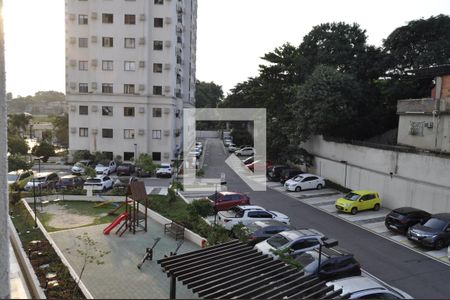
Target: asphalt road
[(397, 265)]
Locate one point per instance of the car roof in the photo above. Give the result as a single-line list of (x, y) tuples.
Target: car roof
[(407, 210), (299, 233), (355, 284), (43, 174), (248, 207), (267, 223), (442, 216), (229, 193), (363, 192), (69, 176)]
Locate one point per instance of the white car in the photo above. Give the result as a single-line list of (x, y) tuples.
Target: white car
[(79, 167), (164, 170), (99, 183), (106, 170), (246, 151), (227, 141), (246, 214), (232, 148), (294, 241), (304, 181), (360, 287)]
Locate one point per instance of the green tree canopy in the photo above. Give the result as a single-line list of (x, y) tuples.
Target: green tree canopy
[(207, 94), (43, 149), (18, 162), (17, 145), (61, 129), (18, 123), (145, 162)]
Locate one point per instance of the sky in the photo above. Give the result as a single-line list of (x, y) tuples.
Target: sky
[(232, 35)]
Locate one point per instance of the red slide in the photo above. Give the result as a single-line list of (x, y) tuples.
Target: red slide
[(116, 222)]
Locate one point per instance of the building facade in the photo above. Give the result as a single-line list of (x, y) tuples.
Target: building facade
[(130, 71)]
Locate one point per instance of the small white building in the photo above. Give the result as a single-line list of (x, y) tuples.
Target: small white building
[(425, 123), (130, 71)]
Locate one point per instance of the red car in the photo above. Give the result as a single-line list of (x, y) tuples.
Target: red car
[(227, 200), (259, 165)]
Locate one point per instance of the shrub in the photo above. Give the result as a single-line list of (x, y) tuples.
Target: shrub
[(178, 186), (241, 232), (200, 173), (202, 207), (217, 235)]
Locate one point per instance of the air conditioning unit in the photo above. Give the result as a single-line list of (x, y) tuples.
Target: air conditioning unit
[(141, 110), (166, 132), (72, 40), (142, 41), (429, 124), (94, 108), (167, 66), (167, 110), (73, 62), (94, 62), (141, 64), (94, 85), (72, 17), (94, 16), (73, 130), (168, 20), (141, 87), (73, 85), (167, 88), (168, 43), (180, 27), (142, 17), (179, 69), (94, 39), (73, 107), (166, 155), (141, 131), (94, 131)]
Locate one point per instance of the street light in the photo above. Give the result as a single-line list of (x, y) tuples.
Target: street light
[(135, 152), (345, 179), (329, 243)]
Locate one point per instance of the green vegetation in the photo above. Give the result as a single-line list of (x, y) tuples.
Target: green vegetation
[(44, 149), (18, 162), (145, 162)]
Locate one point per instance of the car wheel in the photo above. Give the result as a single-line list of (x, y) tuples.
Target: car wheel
[(298, 189), (354, 211), (376, 207), (439, 244), (319, 186)]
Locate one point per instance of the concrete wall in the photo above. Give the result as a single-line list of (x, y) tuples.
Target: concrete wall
[(417, 180), (207, 134)]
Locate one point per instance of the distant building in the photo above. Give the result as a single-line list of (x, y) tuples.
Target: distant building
[(130, 70), (425, 123)]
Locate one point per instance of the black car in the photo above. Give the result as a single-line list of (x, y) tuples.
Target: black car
[(248, 160), (262, 230), (334, 263), (274, 172), (125, 169), (70, 182), (400, 219), (289, 173), (434, 233)]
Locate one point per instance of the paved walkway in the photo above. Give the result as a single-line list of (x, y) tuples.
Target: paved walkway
[(119, 276), (19, 288)]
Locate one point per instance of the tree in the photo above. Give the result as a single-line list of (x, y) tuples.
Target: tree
[(82, 155), (207, 94), (61, 129), (47, 136), (18, 123), (145, 162), (43, 149), (17, 145), (18, 162)]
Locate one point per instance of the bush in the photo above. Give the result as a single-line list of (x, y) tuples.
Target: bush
[(202, 207), (200, 173), (241, 232), (43, 149), (18, 162), (178, 186), (218, 235)]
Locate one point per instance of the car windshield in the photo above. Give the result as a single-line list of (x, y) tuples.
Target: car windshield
[(213, 197), (352, 196), (236, 211), (435, 223), (164, 166), (308, 262), (277, 241), (94, 180), (253, 227), (100, 166), (298, 178), (12, 177)]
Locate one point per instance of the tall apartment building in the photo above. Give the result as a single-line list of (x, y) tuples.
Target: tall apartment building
[(130, 70)]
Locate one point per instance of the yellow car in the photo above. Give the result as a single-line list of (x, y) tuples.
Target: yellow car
[(358, 200)]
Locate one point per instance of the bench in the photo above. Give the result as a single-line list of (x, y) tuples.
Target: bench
[(174, 228)]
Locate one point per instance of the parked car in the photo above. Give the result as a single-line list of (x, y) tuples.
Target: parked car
[(274, 172), (400, 219), (247, 151), (248, 160), (246, 214), (70, 182), (262, 230), (434, 233), (358, 200), (199, 145), (259, 165), (123, 183), (125, 169), (195, 153), (164, 170), (227, 200), (227, 141), (45, 180), (19, 177), (232, 147), (360, 287), (304, 181), (79, 167), (106, 169), (334, 263), (99, 183), (294, 241), (289, 173)]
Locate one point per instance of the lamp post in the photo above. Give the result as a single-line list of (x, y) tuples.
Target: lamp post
[(31, 128), (345, 178), (34, 201), (135, 152), (330, 243)]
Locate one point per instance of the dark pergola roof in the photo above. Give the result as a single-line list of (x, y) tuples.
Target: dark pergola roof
[(432, 72), (236, 270)]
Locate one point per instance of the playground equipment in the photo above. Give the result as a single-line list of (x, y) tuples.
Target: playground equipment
[(176, 249), (148, 253), (134, 219), (104, 202)]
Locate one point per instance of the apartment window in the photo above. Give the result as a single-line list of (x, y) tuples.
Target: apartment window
[(159, 2), (82, 42), (156, 156), (158, 22), (128, 89), (130, 43), (82, 19), (107, 133), (157, 45), (157, 112), (130, 19), (128, 111), (82, 87), (128, 134), (107, 65), (157, 90), (127, 156), (83, 132), (83, 65), (130, 66), (107, 111), (157, 68), (107, 18), (107, 88), (109, 155), (83, 109), (156, 134), (107, 41)]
